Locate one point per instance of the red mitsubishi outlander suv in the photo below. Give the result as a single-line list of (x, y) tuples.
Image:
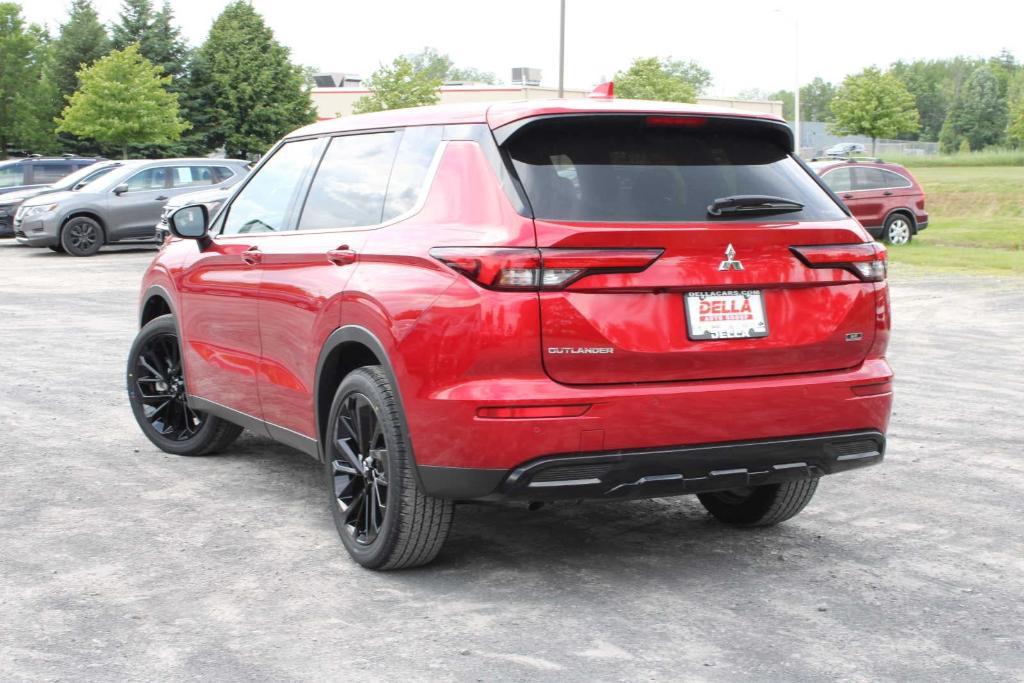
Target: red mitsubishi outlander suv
[(571, 299)]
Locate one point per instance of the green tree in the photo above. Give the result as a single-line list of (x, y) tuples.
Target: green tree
[(436, 65), (133, 25), (166, 48), (651, 78), (689, 72), (24, 89), (926, 81), (158, 38), (399, 85), (244, 92), (470, 74), (978, 114), (874, 104), (1015, 122), (123, 100), (815, 101), (81, 41)]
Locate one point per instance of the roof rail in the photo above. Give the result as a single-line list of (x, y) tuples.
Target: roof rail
[(850, 160)]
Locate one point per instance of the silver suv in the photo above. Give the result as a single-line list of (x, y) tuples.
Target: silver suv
[(121, 206)]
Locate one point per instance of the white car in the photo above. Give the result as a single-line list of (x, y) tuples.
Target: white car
[(844, 149)]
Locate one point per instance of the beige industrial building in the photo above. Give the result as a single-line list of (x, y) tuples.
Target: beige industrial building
[(333, 102)]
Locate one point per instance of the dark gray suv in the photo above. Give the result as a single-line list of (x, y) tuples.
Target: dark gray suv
[(121, 206)]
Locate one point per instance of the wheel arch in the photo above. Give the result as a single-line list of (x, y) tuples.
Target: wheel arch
[(902, 210), (85, 213), (156, 301), (346, 349)]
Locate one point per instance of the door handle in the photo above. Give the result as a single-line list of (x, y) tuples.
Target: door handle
[(252, 256), (847, 196), (162, 198), (887, 193), (342, 256)]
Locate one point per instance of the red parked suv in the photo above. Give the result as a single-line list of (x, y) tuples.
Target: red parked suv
[(543, 300), (885, 198)]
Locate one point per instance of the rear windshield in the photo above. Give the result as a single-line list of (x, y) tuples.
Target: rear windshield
[(637, 168)]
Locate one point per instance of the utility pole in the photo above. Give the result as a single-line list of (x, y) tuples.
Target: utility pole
[(796, 77), (561, 54)]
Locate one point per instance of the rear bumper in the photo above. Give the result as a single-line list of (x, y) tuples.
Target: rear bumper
[(664, 471)]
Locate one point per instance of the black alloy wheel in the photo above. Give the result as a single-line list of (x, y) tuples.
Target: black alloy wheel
[(384, 519), (360, 469), (159, 399), (81, 236), (160, 384)]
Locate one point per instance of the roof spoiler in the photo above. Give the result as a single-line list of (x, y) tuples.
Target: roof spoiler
[(603, 91)]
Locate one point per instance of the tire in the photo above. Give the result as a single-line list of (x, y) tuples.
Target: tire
[(384, 520), (156, 391), (56, 248), (898, 230), (81, 236), (760, 505)]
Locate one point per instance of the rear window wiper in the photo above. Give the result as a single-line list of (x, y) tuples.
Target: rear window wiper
[(752, 204)]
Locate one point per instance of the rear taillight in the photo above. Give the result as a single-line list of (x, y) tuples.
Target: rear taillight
[(867, 261), (540, 269)]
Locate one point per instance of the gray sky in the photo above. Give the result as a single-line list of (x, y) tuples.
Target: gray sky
[(745, 44)]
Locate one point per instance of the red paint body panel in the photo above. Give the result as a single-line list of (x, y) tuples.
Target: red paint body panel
[(253, 333)]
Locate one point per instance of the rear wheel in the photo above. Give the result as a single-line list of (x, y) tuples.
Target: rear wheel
[(760, 505), (156, 391), (81, 236), (384, 520), (898, 230)]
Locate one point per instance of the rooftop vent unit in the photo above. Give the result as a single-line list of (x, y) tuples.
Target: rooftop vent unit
[(336, 79), (522, 75)]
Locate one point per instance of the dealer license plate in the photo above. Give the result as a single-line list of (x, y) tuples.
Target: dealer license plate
[(734, 314)]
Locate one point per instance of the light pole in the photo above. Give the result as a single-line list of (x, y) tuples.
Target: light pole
[(796, 75), (561, 53)]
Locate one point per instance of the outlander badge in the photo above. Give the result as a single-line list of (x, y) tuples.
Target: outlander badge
[(730, 263)]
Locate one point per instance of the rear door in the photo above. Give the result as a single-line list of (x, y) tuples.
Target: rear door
[(726, 297), (871, 196)]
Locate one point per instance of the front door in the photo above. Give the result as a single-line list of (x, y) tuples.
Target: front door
[(220, 287), (135, 213)]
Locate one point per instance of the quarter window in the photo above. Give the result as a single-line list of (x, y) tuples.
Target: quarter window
[(265, 203), (415, 155), (351, 182)]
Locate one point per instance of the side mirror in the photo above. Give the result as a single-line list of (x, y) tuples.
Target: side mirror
[(121, 189), (190, 222)]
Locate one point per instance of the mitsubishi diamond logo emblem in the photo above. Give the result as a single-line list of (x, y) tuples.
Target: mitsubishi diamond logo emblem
[(730, 263)]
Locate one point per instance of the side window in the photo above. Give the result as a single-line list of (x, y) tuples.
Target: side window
[(412, 162), (12, 175), (150, 179), (869, 179), (221, 173), (49, 173), (264, 203), (188, 176), (350, 185), (839, 180), (894, 180)]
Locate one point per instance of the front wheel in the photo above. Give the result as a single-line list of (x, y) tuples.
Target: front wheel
[(760, 505), (384, 520), (159, 400), (897, 230), (81, 236)]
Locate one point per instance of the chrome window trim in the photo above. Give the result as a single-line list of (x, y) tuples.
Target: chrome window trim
[(902, 177), (421, 200)]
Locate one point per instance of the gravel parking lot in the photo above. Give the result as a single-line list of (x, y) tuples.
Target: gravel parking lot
[(120, 562)]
